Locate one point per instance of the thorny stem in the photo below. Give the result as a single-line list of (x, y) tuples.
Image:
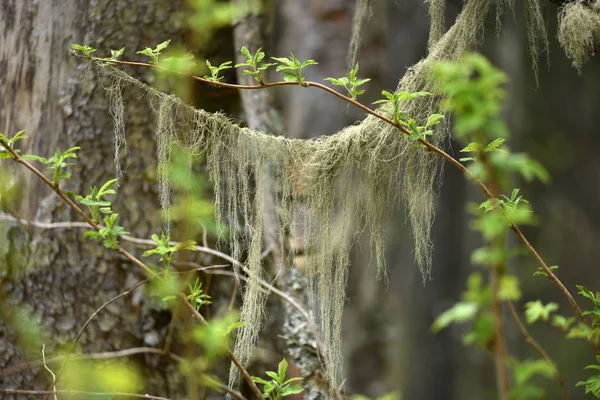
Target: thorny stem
[(529, 339), (17, 158), (551, 276)]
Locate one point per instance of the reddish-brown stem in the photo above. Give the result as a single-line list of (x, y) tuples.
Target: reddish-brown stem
[(529, 339)]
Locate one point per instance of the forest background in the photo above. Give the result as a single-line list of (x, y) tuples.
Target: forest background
[(387, 340)]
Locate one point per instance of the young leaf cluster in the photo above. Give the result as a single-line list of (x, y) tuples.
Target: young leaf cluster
[(57, 164), (155, 52), (524, 372), (108, 234), (473, 91), (197, 297), (350, 83), (10, 143), (393, 104), (477, 148), (95, 201), (215, 70), (165, 250), (85, 49), (254, 64), (292, 68), (592, 384), (278, 387), (114, 55)]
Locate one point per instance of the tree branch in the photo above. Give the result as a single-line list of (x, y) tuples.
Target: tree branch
[(553, 278), (529, 339)]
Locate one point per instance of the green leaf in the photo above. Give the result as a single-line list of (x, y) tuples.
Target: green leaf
[(535, 310), (509, 288), (540, 270), (259, 380), (287, 63), (246, 53), (472, 147), (162, 46), (460, 312), (33, 157), (282, 369), (115, 54), (290, 77), (495, 145), (434, 119), (272, 375), (585, 292), (87, 50), (562, 322), (294, 389)]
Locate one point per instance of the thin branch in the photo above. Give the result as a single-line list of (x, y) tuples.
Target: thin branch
[(150, 243), (107, 355), (98, 394), (49, 370), (529, 339), (553, 278), (374, 113)]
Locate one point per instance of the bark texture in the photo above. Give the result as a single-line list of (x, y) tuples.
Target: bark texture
[(59, 278)]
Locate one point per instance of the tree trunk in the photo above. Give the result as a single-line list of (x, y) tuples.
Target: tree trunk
[(60, 279)]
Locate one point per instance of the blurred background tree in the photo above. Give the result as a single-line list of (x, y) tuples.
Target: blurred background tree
[(60, 280)]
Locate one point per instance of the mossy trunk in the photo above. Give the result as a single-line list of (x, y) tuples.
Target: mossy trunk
[(57, 277)]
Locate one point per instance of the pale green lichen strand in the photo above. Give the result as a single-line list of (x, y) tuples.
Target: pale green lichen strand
[(579, 31), (331, 188), (436, 21)]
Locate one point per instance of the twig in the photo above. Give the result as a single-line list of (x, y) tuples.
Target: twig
[(553, 278), (49, 370), (107, 355), (529, 339), (102, 394)]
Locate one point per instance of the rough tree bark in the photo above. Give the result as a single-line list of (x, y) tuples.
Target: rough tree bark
[(61, 279)]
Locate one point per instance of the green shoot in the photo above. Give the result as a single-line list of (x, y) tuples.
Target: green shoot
[(57, 163), (109, 234), (350, 83), (536, 310), (197, 297), (85, 49), (95, 202), (592, 384), (292, 68), (165, 250), (278, 387), (254, 64), (214, 71), (10, 143), (154, 53)]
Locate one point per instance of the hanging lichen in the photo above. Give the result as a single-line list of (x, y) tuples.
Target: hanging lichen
[(436, 21), (362, 6), (331, 188), (579, 31), (536, 33), (113, 90)]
